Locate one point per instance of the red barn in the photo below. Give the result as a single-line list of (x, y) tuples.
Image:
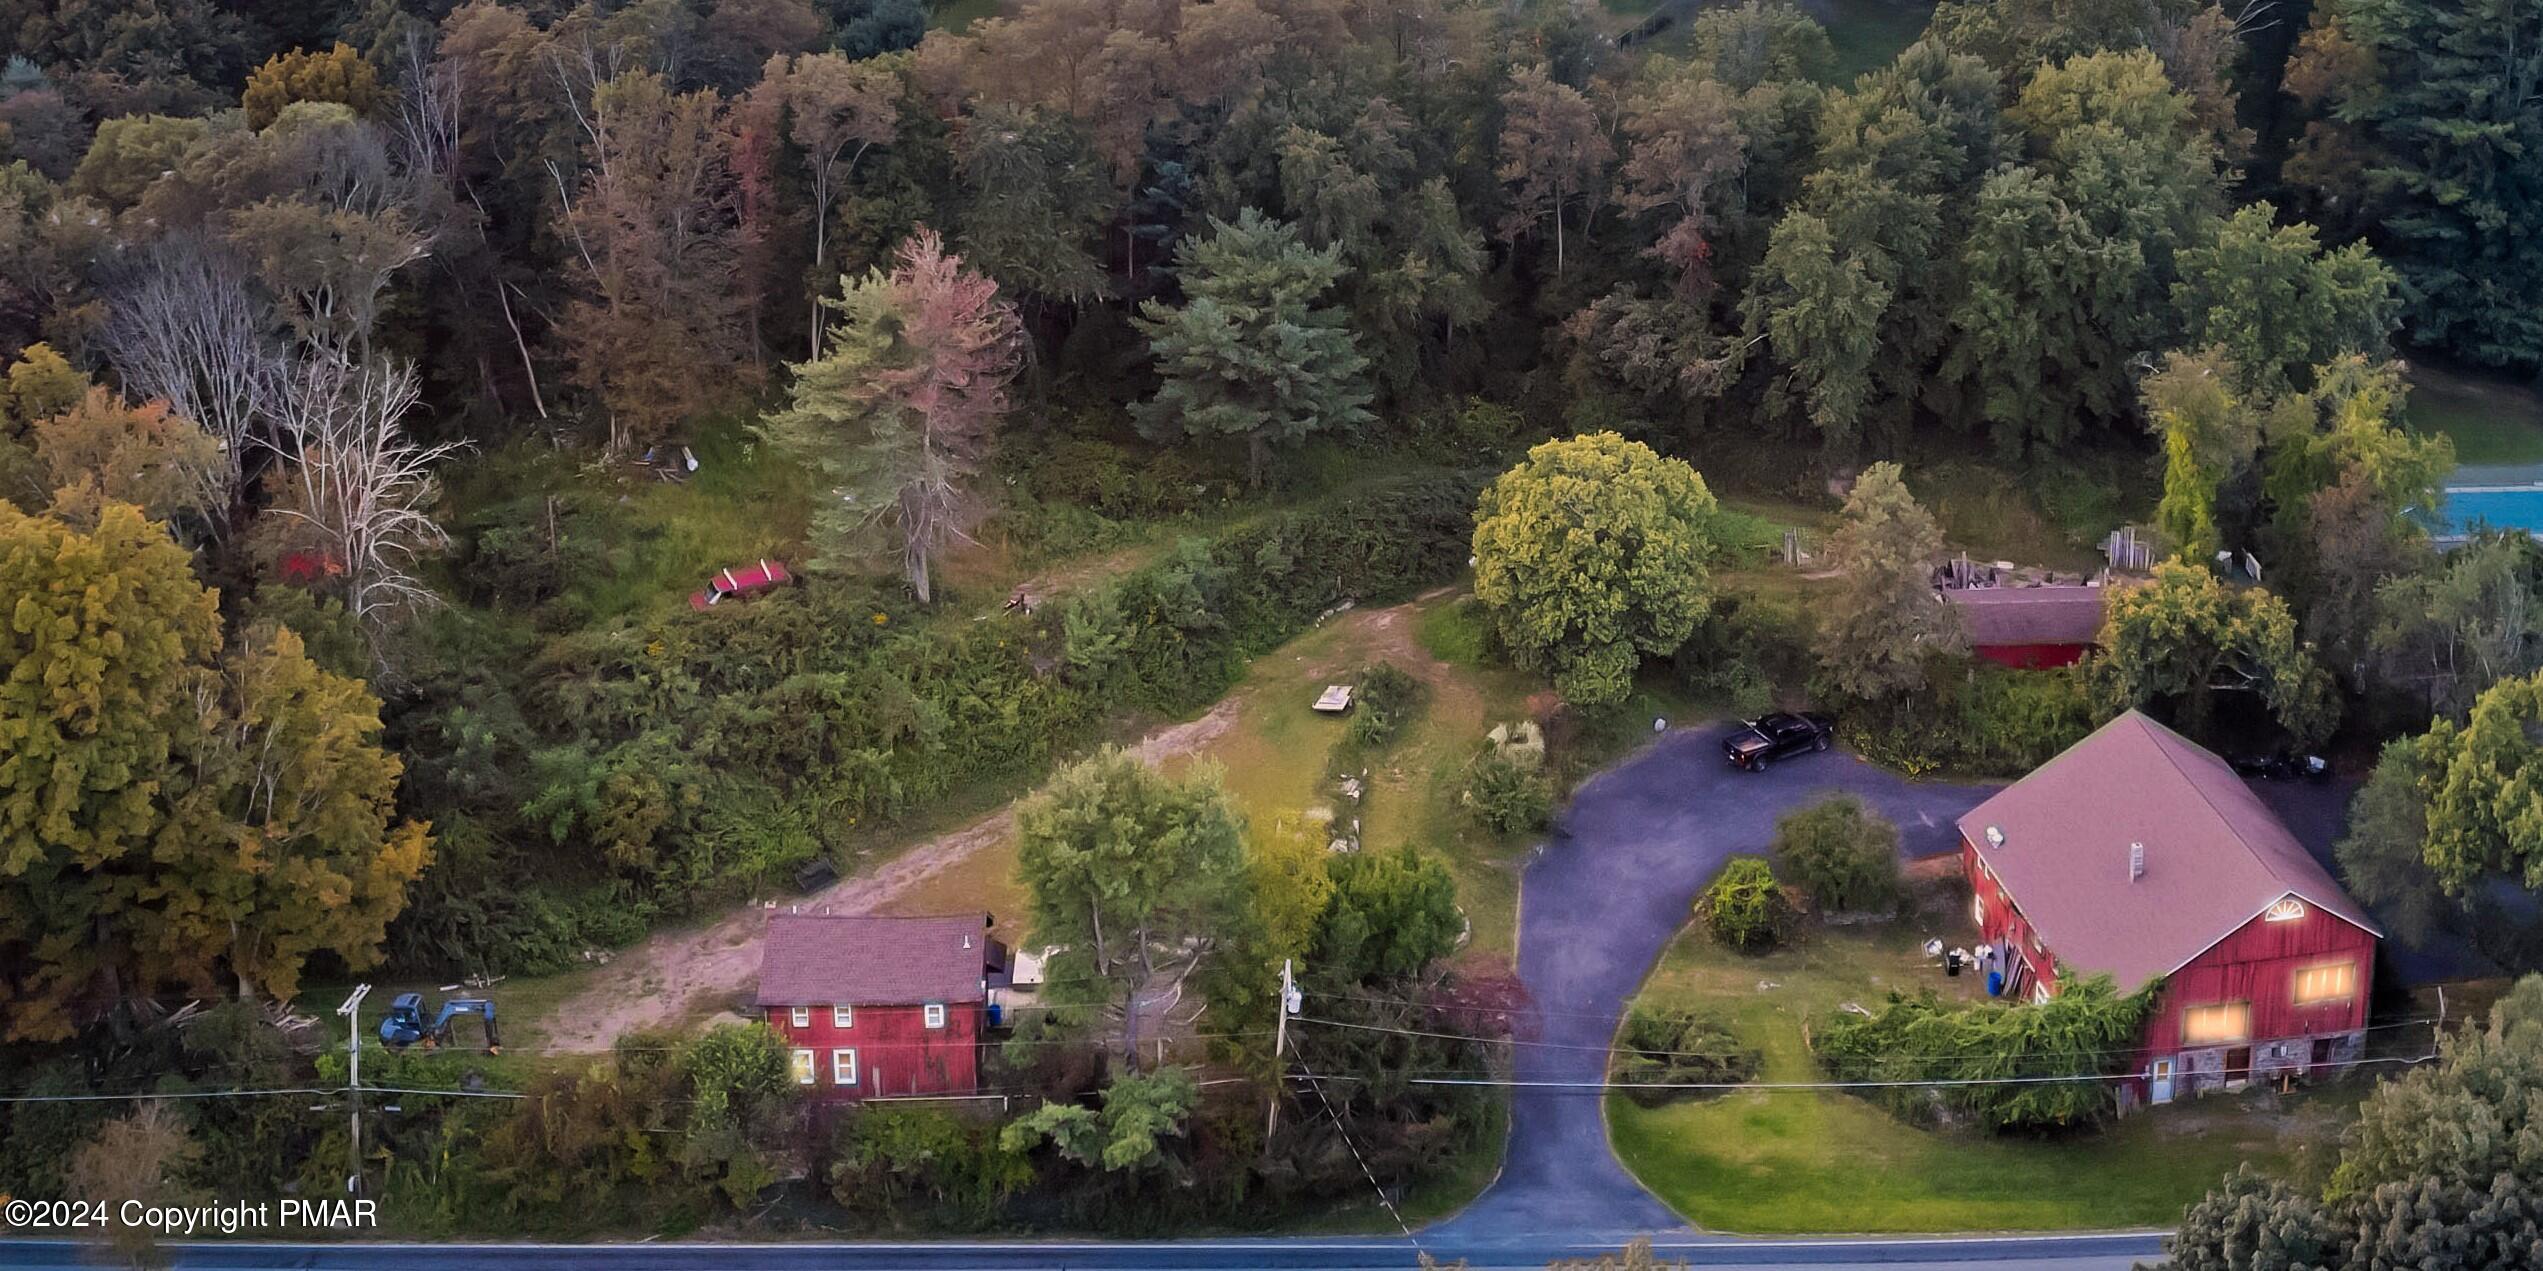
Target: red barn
[(2030, 627), (2139, 854), (880, 1006)]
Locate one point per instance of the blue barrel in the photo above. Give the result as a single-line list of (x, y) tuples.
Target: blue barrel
[(1995, 983)]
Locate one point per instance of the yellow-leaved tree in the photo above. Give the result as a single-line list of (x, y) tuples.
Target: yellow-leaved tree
[(173, 810)]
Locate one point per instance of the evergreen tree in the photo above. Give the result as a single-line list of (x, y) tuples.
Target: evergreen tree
[(1884, 621), (901, 409), (2427, 136), (1251, 354)]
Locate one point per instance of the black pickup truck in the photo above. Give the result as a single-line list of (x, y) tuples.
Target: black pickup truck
[(1771, 737)]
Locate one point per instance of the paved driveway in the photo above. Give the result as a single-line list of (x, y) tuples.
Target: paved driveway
[(1597, 906)]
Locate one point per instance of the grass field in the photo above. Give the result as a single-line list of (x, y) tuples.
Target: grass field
[(1814, 1161), (2494, 421), (1866, 34), (958, 15)]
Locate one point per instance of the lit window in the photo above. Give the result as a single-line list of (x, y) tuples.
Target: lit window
[(2212, 1025), (843, 1067), (842, 1017), (2288, 909), (2336, 982), (803, 1067), (935, 1014), (802, 1017)]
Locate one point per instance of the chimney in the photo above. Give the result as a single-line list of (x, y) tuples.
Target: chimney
[(2136, 861)]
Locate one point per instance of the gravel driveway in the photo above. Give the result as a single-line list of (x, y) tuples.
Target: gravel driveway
[(1597, 906)]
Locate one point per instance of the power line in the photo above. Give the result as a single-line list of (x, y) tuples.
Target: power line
[(167, 1094)]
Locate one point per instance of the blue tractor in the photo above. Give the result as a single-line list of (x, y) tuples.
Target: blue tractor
[(405, 1024)]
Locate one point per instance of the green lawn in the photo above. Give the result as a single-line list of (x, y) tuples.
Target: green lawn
[(1815, 1161), (1867, 34), (958, 15), (2493, 420)]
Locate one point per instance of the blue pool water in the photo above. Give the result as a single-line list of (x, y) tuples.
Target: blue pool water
[(2500, 507)]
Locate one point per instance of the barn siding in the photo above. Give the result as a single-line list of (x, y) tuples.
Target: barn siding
[(897, 1054), (2258, 964), (2033, 657)]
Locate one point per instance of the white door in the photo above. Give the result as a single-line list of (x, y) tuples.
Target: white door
[(2159, 1078)]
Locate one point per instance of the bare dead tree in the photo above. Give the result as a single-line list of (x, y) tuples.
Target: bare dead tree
[(184, 325), (355, 487)]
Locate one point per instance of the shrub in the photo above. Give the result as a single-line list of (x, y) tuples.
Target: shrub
[(1976, 717), (1841, 852), (1924, 1038), (885, 1157), (1744, 907), (1660, 1046), (1391, 914), (1387, 699), (1506, 796)]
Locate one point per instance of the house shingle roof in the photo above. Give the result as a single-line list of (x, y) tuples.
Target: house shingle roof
[(2029, 615), (862, 960), (2216, 857)]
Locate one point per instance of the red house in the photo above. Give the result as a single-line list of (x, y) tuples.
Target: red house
[(2139, 854), (880, 1006), (2030, 627)]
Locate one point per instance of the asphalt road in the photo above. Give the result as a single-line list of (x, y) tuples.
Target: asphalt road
[(1596, 908), (2087, 1253)]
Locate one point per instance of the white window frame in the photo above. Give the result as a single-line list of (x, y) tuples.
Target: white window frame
[(842, 1016), (1978, 910), (843, 1067), (799, 1016), (2039, 993), (806, 1071), (935, 1014)]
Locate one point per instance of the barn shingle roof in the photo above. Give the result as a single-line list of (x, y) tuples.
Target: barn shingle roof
[(2029, 615), (863, 960), (2216, 857)]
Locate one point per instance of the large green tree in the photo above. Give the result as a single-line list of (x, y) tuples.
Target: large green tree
[(2279, 305), (1123, 862), (1883, 621), (170, 810), (2426, 134), (2186, 636), (1591, 555), (900, 412), (1253, 354)]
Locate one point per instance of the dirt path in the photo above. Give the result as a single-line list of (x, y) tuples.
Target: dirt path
[(676, 976)]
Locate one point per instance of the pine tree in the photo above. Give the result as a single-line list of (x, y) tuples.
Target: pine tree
[(1884, 619), (1251, 353), (901, 410)]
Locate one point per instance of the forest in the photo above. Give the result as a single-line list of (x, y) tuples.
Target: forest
[(382, 377)]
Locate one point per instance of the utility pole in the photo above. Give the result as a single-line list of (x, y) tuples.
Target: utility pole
[(1280, 1041), (352, 1013)]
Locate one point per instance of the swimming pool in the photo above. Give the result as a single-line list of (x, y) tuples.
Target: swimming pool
[(2499, 507)]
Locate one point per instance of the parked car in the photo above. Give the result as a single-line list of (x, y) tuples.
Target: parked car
[(2282, 766), (1768, 738)]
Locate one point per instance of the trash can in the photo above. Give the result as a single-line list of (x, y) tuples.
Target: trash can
[(1995, 983), (1951, 963)]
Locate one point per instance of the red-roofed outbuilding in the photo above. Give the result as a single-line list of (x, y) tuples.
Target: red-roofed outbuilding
[(2139, 854), (876, 1006)]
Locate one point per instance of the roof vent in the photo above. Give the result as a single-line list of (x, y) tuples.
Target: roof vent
[(966, 939), (2136, 861), (1995, 836)]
